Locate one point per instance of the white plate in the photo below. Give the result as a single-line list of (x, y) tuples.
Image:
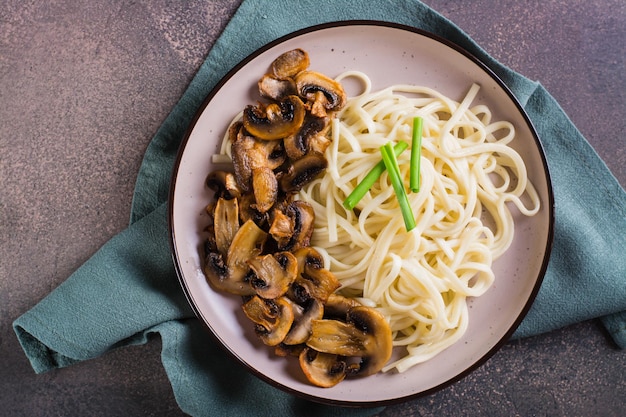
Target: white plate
[(389, 54)]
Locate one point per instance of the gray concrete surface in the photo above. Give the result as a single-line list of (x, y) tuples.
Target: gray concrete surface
[(84, 86)]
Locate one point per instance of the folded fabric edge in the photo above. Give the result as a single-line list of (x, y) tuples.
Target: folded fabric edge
[(43, 358), (615, 324), (40, 356)]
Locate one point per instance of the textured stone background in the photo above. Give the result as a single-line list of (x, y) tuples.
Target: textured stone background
[(83, 87)]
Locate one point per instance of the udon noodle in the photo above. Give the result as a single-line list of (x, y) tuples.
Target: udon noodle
[(420, 280)]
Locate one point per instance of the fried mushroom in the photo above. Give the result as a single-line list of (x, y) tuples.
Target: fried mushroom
[(293, 227), (322, 93), (273, 273), (322, 369), (304, 315), (230, 273), (254, 163), (272, 318), (276, 89), (223, 183), (365, 335), (290, 63), (274, 120), (302, 142), (303, 171), (225, 223)]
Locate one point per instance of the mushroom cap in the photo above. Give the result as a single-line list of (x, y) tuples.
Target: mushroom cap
[(322, 369), (364, 334), (292, 227), (290, 63), (303, 320), (303, 171), (274, 120), (337, 306), (229, 273), (300, 143), (318, 88), (273, 318), (275, 88), (273, 273)]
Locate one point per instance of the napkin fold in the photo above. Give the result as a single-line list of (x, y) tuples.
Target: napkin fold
[(128, 290)]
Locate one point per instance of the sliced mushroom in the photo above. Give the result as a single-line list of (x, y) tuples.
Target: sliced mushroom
[(337, 306), (223, 183), (250, 153), (290, 63), (275, 120), (276, 89), (282, 227), (313, 282), (308, 256), (225, 223), (265, 188), (231, 274), (300, 143), (365, 334), (302, 172), (319, 143), (273, 273), (322, 369), (247, 210), (304, 315), (292, 229), (321, 92), (272, 318)]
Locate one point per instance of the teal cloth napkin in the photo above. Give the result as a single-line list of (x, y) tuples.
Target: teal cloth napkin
[(128, 290)]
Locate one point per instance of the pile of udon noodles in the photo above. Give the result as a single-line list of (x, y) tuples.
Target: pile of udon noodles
[(471, 180)]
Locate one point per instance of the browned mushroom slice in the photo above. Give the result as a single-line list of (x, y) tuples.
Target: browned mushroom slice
[(230, 274), (300, 143), (314, 282), (322, 369), (276, 89), (281, 228), (250, 153), (302, 172), (223, 183), (337, 306), (365, 334), (319, 144), (242, 161), (275, 120), (265, 188), (225, 223), (323, 93), (292, 229), (290, 63), (247, 212), (304, 315), (310, 256), (272, 318), (273, 274)]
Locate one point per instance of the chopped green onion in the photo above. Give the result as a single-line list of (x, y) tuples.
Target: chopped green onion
[(416, 151), (363, 187), (393, 170)]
